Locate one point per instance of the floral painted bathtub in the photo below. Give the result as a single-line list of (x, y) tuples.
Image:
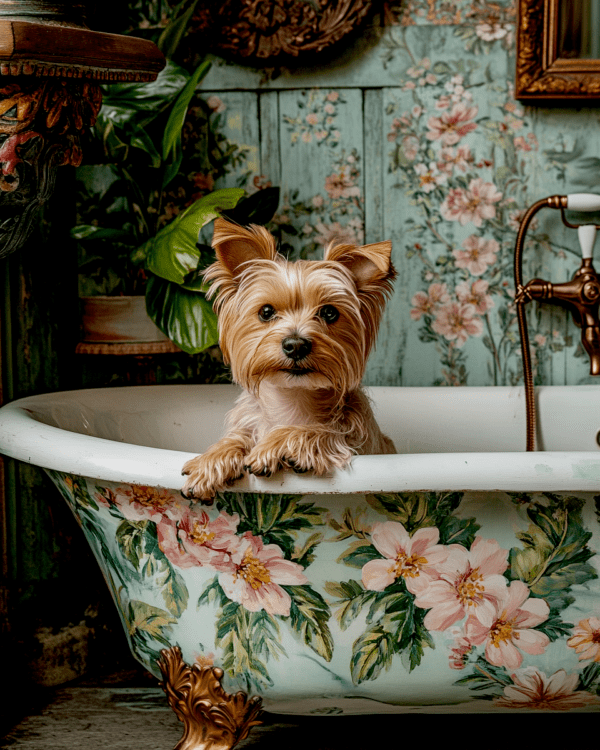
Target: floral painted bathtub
[(458, 576)]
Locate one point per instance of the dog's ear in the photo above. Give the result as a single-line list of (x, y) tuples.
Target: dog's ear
[(235, 245), (370, 265)]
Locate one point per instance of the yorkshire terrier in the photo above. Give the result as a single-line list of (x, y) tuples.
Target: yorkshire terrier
[(297, 336)]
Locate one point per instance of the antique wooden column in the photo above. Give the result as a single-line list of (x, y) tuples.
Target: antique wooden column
[(51, 68)]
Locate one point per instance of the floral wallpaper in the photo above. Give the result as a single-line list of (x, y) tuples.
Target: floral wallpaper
[(413, 135), (430, 149)]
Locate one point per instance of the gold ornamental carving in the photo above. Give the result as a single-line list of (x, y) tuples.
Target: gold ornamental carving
[(212, 719), (266, 30), (542, 76)]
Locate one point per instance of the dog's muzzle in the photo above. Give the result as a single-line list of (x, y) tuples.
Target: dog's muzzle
[(296, 347)]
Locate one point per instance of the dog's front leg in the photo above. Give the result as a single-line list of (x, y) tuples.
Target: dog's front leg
[(302, 448), (217, 467)]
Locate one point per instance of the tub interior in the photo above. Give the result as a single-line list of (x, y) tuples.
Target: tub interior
[(190, 418)]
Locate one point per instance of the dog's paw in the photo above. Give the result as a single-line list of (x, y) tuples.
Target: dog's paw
[(263, 462), (208, 474)]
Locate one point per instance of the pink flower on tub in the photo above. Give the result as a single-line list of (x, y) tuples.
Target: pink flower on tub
[(469, 583), (256, 574), (414, 558), (510, 630), (194, 540), (533, 689)]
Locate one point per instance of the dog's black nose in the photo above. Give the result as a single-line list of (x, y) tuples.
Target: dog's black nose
[(296, 347)]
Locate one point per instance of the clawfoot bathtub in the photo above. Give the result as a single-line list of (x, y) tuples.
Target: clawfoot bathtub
[(458, 576)]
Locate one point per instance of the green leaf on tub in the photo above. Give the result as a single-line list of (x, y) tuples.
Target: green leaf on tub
[(248, 640), (276, 518), (173, 590), (372, 652), (130, 537), (486, 676), (358, 554), (351, 598), (398, 629), (555, 554), (309, 616)]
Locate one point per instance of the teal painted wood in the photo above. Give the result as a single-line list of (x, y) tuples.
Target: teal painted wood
[(374, 164), (270, 156), (240, 125), (321, 142)]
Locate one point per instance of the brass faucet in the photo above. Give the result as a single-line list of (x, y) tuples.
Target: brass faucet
[(581, 295)]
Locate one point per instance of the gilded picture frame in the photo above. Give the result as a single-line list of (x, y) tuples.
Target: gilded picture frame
[(542, 77)]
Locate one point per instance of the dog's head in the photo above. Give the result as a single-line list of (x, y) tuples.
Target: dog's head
[(306, 324)]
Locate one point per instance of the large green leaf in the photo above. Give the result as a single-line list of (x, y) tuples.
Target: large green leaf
[(169, 40), (134, 105), (172, 133), (172, 254), (185, 317)]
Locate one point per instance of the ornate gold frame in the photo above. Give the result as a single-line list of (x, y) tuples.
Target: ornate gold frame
[(541, 76)]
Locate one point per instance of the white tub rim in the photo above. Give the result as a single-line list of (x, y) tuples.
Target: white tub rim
[(25, 438)]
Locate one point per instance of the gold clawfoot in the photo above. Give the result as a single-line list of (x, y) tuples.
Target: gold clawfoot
[(212, 719)]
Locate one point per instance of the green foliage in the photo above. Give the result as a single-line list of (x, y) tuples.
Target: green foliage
[(248, 640), (275, 518), (486, 677), (309, 617), (555, 555), (416, 510)]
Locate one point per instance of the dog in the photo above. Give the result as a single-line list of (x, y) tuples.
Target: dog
[(297, 336)]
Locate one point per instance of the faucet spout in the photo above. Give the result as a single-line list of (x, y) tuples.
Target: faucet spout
[(581, 295), (590, 338)]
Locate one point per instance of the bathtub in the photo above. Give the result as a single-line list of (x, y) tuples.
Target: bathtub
[(458, 576)]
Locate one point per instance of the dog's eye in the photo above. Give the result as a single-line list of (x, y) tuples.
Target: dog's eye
[(266, 312), (329, 313)]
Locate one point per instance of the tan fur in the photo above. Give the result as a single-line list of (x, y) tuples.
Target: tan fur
[(306, 413)]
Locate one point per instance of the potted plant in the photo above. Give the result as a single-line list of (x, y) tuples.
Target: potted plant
[(127, 249)]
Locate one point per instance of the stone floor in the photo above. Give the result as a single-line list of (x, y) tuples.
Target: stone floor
[(88, 716), (138, 718)]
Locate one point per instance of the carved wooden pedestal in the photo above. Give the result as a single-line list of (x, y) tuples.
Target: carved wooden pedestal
[(212, 719), (51, 67)]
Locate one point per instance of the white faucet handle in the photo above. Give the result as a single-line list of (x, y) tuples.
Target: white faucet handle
[(583, 202), (587, 238)]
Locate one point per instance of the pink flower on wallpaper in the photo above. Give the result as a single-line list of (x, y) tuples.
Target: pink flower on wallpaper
[(533, 689), (410, 147), (492, 31), (195, 540), (342, 185), (256, 575), (414, 558), (332, 96), (312, 118), (477, 255), (335, 231), (426, 303), (586, 639), (451, 126), (430, 176), (511, 629), (475, 294), (469, 583), (460, 158), (472, 205), (456, 321)]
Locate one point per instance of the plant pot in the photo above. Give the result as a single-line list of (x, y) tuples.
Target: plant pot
[(121, 319)]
